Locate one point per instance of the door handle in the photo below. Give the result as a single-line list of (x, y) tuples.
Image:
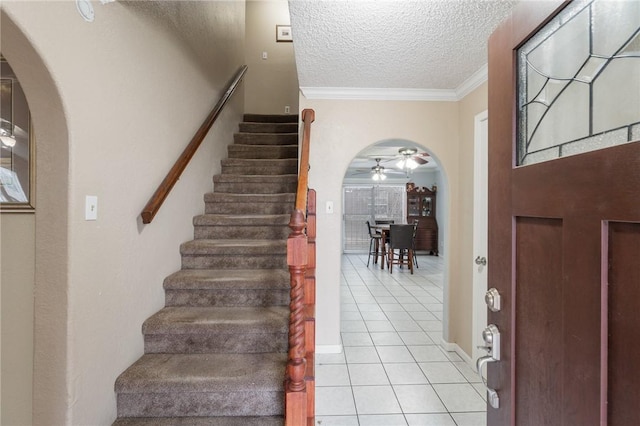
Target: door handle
[(492, 395), (481, 261), (491, 337)]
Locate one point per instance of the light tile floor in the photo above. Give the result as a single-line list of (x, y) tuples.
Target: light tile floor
[(393, 370)]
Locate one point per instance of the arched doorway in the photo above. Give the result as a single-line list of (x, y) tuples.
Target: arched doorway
[(50, 266), (378, 166), (395, 359), (427, 173)]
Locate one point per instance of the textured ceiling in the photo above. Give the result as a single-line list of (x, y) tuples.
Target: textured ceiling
[(392, 44)]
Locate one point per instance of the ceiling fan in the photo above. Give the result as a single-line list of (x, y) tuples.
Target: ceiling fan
[(410, 158), (378, 172)]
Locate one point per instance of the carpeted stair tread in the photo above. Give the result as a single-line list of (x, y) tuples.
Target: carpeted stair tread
[(264, 179), (253, 127), (227, 279), (154, 373), (241, 219), (236, 150), (271, 118), (259, 161), (259, 140), (228, 247), (241, 320), (282, 198), (235, 203), (228, 287), (252, 166), (204, 279), (255, 184), (200, 421)]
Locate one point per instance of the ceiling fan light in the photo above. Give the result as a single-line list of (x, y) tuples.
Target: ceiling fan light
[(8, 141), (375, 176), (407, 151), (411, 163), (400, 164), (383, 176)]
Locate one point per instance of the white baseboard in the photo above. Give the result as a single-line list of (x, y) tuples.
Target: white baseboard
[(328, 349), (453, 347)]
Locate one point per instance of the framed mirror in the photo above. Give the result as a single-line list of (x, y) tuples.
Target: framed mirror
[(17, 165)]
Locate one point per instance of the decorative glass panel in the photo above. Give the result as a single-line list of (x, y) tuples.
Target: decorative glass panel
[(579, 81)]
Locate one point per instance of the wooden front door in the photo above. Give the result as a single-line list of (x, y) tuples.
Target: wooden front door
[(564, 245)]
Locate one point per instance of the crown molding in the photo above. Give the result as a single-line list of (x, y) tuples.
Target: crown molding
[(380, 94), (377, 94), (473, 82)]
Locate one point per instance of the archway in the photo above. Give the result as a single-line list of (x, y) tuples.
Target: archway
[(428, 173), (50, 383)]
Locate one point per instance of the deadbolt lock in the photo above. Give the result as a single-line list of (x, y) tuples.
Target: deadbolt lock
[(492, 299)]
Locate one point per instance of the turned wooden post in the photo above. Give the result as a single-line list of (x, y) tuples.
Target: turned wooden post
[(297, 261)]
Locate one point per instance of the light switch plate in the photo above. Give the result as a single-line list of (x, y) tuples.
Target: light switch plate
[(91, 208), (329, 208)]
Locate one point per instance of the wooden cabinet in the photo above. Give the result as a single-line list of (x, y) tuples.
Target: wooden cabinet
[(421, 207)]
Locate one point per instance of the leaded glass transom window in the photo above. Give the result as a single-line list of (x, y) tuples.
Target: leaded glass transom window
[(579, 81)]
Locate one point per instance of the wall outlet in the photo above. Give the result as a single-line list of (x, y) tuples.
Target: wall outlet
[(287, 109)]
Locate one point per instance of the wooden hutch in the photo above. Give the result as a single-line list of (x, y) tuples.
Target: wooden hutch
[(421, 206)]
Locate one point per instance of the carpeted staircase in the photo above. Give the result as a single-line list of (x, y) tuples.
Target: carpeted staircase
[(216, 354)]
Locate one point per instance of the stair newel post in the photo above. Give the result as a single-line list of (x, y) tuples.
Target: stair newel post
[(296, 365)]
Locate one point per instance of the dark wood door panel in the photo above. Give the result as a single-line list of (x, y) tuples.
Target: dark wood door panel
[(539, 323), (623, 328), (581, 185)]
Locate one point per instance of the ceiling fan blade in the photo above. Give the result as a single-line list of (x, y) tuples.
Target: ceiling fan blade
[(420, 160)]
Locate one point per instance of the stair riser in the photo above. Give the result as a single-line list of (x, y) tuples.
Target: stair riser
[(259, 170), (275, 118), (215, 343), (182, 404), (226, 297), (200, 421), (269, 127), (250, 208), (262, 152), (234, 261), (242, 232), (254, 188)]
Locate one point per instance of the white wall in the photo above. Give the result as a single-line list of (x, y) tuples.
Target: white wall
[(338, 135), (113, 103), (446, 130), (470, 106), (272, 83), (17, 257)]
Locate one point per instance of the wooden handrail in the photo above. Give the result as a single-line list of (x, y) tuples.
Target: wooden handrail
[(158, 197), (308, 117), (299, 384)]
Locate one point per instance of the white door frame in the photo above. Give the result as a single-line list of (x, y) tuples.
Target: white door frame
[(480, 216)]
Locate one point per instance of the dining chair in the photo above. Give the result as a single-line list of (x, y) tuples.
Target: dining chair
[(384, 222), (374, 244), (400, 243), (415, 232)]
